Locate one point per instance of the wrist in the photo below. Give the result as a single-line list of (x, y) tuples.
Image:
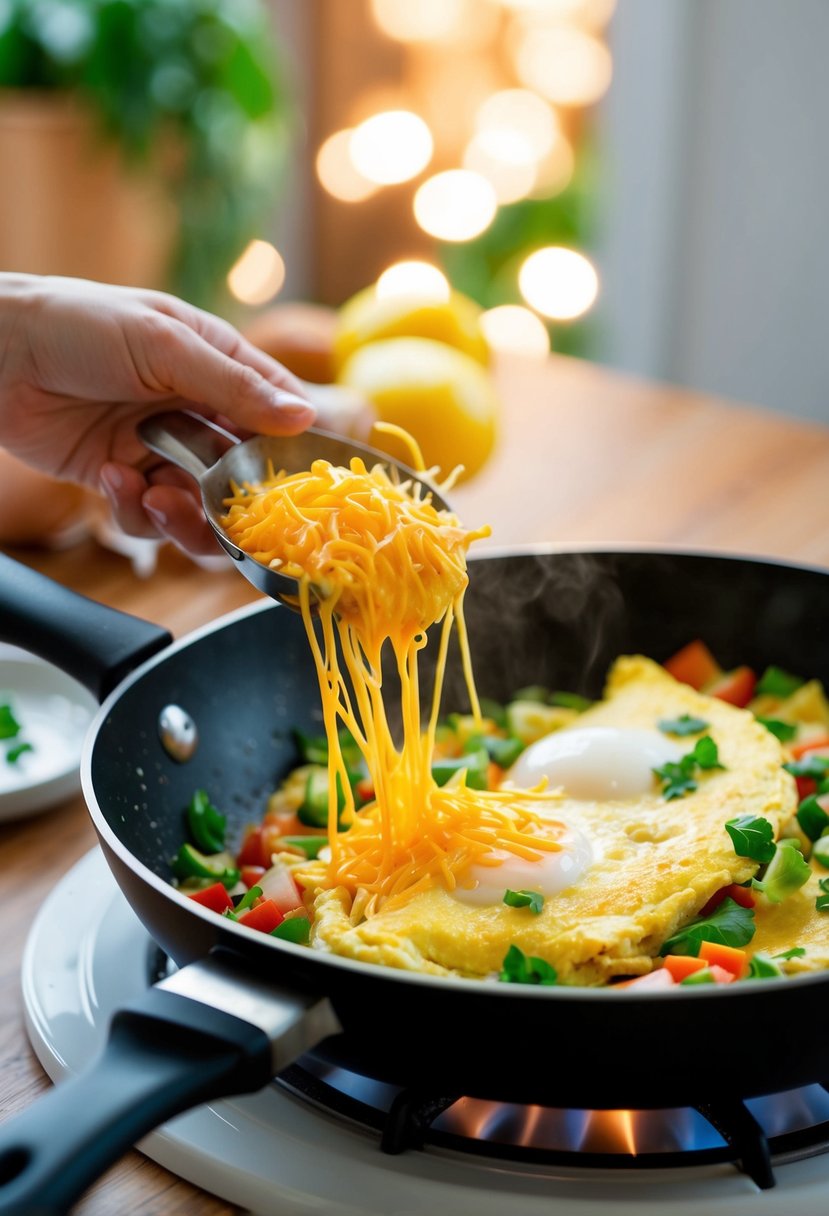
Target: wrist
[(19, 295)]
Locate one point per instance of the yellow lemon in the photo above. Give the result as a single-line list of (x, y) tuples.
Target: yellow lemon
[(440, 395), (368, 317)]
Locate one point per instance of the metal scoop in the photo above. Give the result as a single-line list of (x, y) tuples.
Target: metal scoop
[(214, 458)]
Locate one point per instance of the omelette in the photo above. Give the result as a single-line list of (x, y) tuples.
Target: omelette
[(635, 866)]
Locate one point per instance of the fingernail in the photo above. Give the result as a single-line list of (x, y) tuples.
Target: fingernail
[(110, 479), (290, 403), (159, 518)]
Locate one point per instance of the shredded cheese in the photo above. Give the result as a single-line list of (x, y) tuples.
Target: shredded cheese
[(377, 563)]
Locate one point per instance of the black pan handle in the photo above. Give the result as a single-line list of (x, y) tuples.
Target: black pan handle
[(96, 645), (210, 1030)]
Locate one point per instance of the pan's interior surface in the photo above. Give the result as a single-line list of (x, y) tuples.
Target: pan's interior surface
[(553, 618)]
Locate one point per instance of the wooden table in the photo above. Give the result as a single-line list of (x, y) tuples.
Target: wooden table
[(586, 457)]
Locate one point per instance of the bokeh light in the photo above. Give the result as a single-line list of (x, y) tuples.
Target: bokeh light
[(391, 147), (414, 278), (591, 14), (559, 283), (512, 174), (555, 171), (258, 275), (514, 330), (337, 172), (420, 20), (568, 66), (456, 205), (521, 115)]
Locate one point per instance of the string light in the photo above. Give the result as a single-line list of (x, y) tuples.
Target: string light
[(559, 283), (456, 205), (514, 330), (414, 278), (522, 115), (422, 21), (505, 161), (391, 147), (337, 172), (258, 275), (568, 66)]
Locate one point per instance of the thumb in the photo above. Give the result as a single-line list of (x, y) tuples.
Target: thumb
[(191, 367)]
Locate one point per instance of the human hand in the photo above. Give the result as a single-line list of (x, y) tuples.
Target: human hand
[(81, 363)]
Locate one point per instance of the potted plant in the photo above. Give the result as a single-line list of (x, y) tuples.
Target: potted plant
[(141, 141)]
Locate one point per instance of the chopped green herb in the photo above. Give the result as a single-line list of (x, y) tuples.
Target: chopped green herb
[(476, 764), (784, 731), (704, 976), (823, 883), (822, 903), (533, 692), (775, 682), (248, 899), (679, 777), (685, 724), (503, 752), (517, 968), (310, 845), (729, 924), (820, 852), (207, 826), (533, 900), (493, 710), (815, 767), (9, 725), (752, 836), (812, 817), (761, 967), (295, 929), (14, 753), (570, 700), (795, 952)]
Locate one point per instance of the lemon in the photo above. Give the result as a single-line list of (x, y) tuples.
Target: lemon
[(368, 318), (440, 395)]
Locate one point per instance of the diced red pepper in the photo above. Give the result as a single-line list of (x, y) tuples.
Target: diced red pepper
[(682, 965), (265, 916), (736, 687), (215, 897), (660, 978), (694, 664), (364, 789), (806, 786), (744, 896), (251, 875), (252, 851)]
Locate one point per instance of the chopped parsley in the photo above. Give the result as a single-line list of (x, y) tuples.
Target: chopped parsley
[(761, 967), (812, 817), (753, 837), (517, 968), (775, 682), (795, 952), (729, 924), (822, 901), (9, 726), (14, 753), (784, 731), (533, 900), (685, 724), (816, 767), (678, 777), (570, 700)]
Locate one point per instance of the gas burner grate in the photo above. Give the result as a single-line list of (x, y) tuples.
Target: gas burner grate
[(411, 1119)]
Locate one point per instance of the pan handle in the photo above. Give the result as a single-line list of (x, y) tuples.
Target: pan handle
[(211, 1030), (95, 644)]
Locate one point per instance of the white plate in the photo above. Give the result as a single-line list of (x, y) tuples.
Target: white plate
[(54, 712)]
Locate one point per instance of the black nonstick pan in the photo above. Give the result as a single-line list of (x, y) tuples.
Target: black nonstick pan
[(244, 1005)]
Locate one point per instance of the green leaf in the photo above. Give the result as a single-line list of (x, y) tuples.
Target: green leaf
[(9, 725), (795, 952), (517, 968), (676, 778), (761, 967), (493, 710), (503, 752), (729, 924), (569, 700), (685, 724), (786, 873), (812, 817), (775, 682), (784, 731), (815, 767), (752, 836), (14, 753), (533, 692), (533, 900), (706, 754), (822, 903)]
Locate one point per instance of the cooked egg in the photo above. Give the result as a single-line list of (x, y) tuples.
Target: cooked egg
[(596, 762), (634, 866)]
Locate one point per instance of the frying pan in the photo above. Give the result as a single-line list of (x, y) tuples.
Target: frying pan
[(243, 1005)]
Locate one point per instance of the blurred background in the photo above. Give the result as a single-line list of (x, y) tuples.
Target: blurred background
[(637, 183)]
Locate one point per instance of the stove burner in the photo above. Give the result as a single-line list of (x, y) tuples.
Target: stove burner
[(754, 1134)]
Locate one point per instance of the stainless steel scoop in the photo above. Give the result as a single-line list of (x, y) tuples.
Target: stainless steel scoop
[(214, 458)]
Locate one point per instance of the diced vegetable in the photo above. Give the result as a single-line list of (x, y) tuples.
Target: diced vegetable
[(736, 687), (252, 852), (207, 825), (495, 711), (264, 917), (812, 815), (278, 884), (314, 809), (654, 979), (529, 720), (475, 763), (504, 752), (694, 664), (784, 731), (190, 863), (570, 700), (533, 692), (250, 875), (309, 845), (682, 965), (710, 975), (820, 851), (741, 895), (533, 900), (248, 899), (818, 745), (518, 968), (214, 897), (761, 967), (294, 929), (685, 724), (776, 682), (730, 958), (786, 873), (729, 924)]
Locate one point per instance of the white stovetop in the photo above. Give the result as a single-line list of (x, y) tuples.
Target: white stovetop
[(275, 1155)]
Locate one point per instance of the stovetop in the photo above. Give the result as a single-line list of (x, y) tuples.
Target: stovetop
[(282, 1152)]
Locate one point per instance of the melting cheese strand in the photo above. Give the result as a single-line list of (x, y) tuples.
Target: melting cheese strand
[(385, 565)]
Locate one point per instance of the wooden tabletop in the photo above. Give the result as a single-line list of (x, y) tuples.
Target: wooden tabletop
[(586, 457)]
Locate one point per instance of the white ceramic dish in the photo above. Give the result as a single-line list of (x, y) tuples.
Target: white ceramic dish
[(54, 712)]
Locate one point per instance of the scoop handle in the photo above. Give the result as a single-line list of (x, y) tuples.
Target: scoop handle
[(165, 1053), (186, 439)]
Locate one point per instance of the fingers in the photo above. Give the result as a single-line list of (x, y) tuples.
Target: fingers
[(179, 518), (164, 507)]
